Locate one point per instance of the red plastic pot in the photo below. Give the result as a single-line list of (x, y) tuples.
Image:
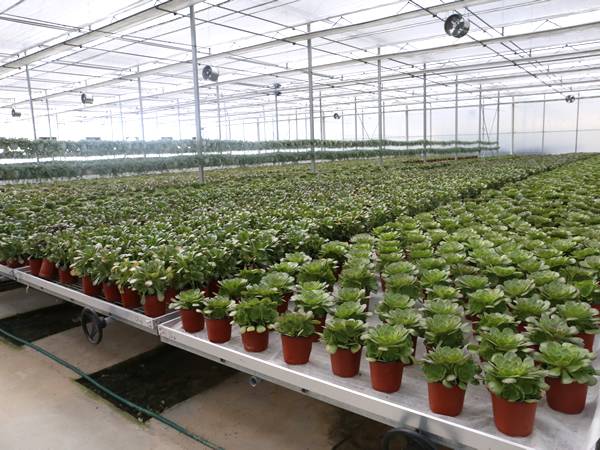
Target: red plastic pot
[(386, 376), (90, 288), (65, 277), (218, 330), (521, 327), (170, 294), (191, 320), (47, 270), (255, 342), (382, 280), (153, 307), (13, 263), (110, 291), (319, 327), (596, 307), (296, 350), (283, 306), (35, 264), (211, 288), (446, 401), (588, 340), (130, 299), (344, 363), (513, 418), (566, 398)]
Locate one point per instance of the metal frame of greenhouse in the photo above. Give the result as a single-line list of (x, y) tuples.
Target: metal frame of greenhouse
[(386, 68)]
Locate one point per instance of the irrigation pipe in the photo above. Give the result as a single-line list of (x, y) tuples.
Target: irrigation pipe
[(112, 394)]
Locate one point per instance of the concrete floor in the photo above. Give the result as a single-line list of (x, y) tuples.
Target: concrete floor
[(44, 408)]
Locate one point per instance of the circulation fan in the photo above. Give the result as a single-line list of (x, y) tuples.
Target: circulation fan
[(86, 100), (209, 74), (570, 99), (456, 25), (336, 116)]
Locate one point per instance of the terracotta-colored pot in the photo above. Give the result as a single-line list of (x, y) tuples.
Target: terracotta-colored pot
[(596, 307), (566, 398), (382, 280), (191, 320), (521, 327), (211, 288), (89, 288), (47, 270), (344, 363), (513, 418), (13, 263), (153, 307), (588, 340), (446, 401), (296, 350), (170, 294), (110, 291), (319, 327), (386, 376), (35, 264), (130, 299), (65, 277), (218, 330), (255, 342), (282, 307)]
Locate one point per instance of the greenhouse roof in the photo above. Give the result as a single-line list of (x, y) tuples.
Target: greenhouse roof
[(526, 49)]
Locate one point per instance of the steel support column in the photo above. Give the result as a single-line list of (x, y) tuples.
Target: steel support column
[(48, 114), (479, 123), (456, 117), (498, 124), (139, 83), (123, 123), (30, 102), (544, 123), (355, 123), (577, 126), (424, 112), (311, 108), (512, 128), (379, 109), (219, 110), (196, 92)]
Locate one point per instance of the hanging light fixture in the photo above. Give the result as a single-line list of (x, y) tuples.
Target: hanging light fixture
[(15, 113), (570, 99), (276, 90), (86, 100), (457, 25), (209, 74)]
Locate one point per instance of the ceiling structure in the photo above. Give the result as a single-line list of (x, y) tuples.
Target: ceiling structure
[(522, 49)]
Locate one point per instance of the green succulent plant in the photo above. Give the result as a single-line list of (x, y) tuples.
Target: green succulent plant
[(496, 320), (255, 314), (343, 334), (320, 270), (233, 287), (557, 292), (502, 341), (514, 379), (445, 330), (516, 288), (570, 363), (552, 328), (391, 301), (296, 324), (190, 299), (451, 366), (388, 343), (581, 316), (410, 319), (441, 306), (486, 300), (218, 307), (351, 310), (534, 306), (318, 301)]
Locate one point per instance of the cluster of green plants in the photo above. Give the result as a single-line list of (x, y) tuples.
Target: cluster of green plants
[(42, 148)]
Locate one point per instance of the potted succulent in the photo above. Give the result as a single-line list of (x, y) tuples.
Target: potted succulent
[(284, 283), (391, 301), (120, 275), (313, 297), (524, 308), (296, 329), (557, 292), (570, 372), (233, 288), (448, 370), (472, 283), (444, 330), (516, 385), (502, 341), (189, 304), (583, 317), (351, 294), (342, 339), (359, 276), (443, 292), (403, 283), (255, 317), (252, 275), (485, 301), (320, 270), (216, 315), (151, 279), (551, 328), (389, 348), (441, 306), (496, 320), (335, 250), (517, 288), (351, 310), (83, 265), (543, 277)]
